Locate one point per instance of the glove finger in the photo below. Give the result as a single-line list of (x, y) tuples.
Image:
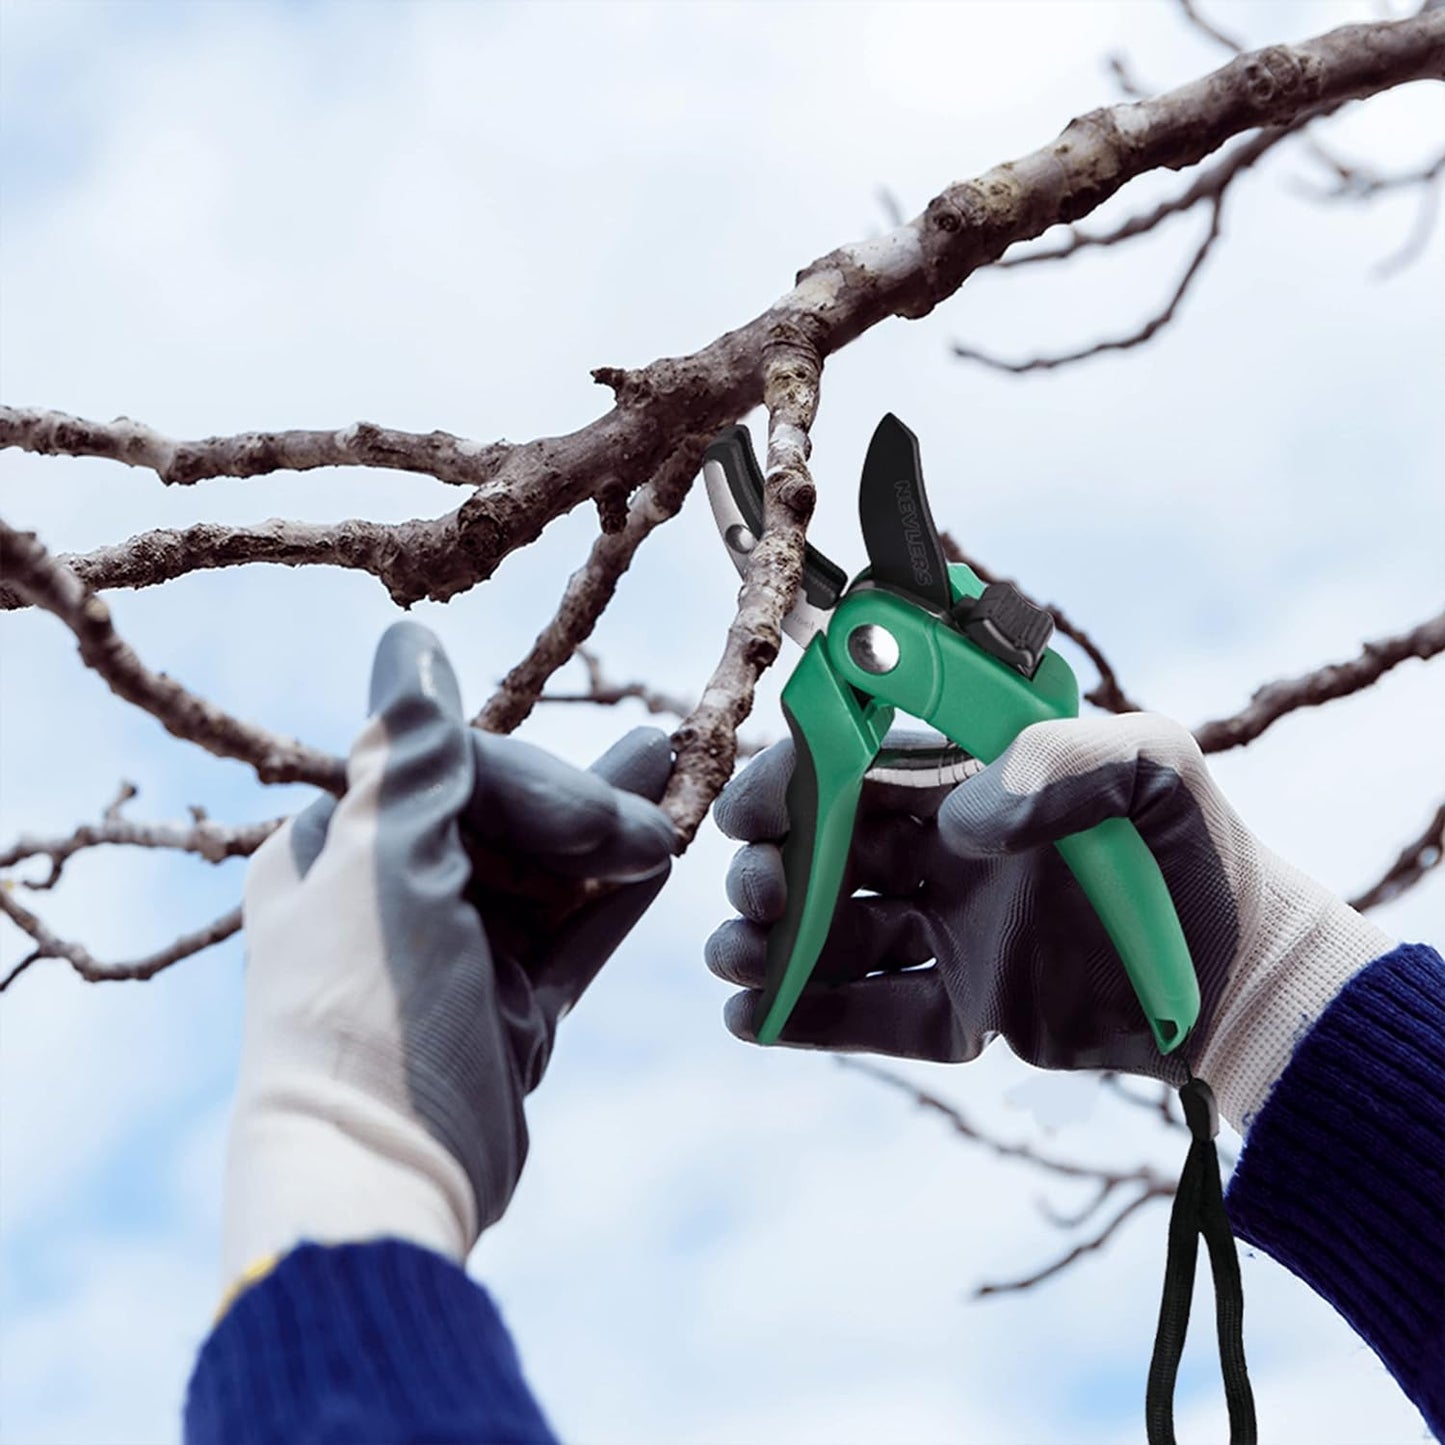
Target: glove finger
[(753, 807), (535, 803), (1062, 777), (408, 775), (868, 935), (905, 1015), (737, 952), (888, 858), (641, 842), (638, 762), (585, 943), (755, 883)]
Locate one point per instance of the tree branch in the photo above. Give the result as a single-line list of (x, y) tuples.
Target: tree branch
[(1325, 684), (1067, 1169), (1200, 23), (706, 742), (1144, 333), (1079, 1250), (397, 553), (1208, 185), (1150, 1183), (906, 273), (209, 840), (591, 588), (603, 692), (48, 945), (251, 454), (1416, 859), (1413, 246), (37, 576)]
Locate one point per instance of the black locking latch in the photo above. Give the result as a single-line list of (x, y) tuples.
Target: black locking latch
[(1006, 624)]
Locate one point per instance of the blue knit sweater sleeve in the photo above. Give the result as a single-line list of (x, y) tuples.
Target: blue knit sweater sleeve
[(1343, 1177), (381, 1343)]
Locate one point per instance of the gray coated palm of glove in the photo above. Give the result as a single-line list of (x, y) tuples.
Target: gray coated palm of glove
[(966, 882)]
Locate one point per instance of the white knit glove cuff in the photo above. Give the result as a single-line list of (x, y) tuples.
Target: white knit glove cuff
[(1314, 945)]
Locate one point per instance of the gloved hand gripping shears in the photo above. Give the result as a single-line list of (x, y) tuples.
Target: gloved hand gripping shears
[(916, 633)]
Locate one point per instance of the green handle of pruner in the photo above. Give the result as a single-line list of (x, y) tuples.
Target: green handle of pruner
[(838, 714)]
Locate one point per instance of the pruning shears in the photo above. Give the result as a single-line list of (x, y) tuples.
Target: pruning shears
[(915, 632)]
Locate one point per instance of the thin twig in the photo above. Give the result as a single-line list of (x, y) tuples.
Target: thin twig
[(1068, 1169), (1339, 679), (1107, 693), (48, 945), (32, 571), (603, 692), (591, 588), (1087, 1246), (1207, 27), (1150, 1183), (1159, 1104), (1416, 859), (1414, 244), (1146, 332), (209, 840)]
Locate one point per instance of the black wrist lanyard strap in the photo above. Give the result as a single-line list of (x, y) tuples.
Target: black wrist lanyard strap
[(1199, 1209)]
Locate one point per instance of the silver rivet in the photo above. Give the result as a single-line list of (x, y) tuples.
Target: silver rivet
[(873, 648), (740, 539)]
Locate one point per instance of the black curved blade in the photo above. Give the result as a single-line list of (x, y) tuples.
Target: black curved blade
[(735, 490), (898, 530)]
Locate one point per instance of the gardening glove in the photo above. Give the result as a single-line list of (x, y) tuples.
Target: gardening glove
[(965, 880), (391, 1030)]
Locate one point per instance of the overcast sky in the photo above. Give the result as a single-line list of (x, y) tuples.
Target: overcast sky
[(231, 216)]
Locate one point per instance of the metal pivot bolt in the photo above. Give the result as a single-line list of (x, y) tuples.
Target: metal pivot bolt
[(740, 539), (873, 648)]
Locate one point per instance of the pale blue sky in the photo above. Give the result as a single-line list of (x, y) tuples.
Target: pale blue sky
[(228, 216)]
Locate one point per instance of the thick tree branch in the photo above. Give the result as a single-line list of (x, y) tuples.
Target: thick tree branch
[(207, 839), (48, 945), (397, 553), (1208, 185), (1416, 859), (906, 273), (591, 588), (37, 576), (251, 454), (1325, 684)]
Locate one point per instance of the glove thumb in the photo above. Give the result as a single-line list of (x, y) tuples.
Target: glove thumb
[(1064, 776)]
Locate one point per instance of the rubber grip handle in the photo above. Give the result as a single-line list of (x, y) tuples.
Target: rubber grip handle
[(835, 737), (1123, 881)]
